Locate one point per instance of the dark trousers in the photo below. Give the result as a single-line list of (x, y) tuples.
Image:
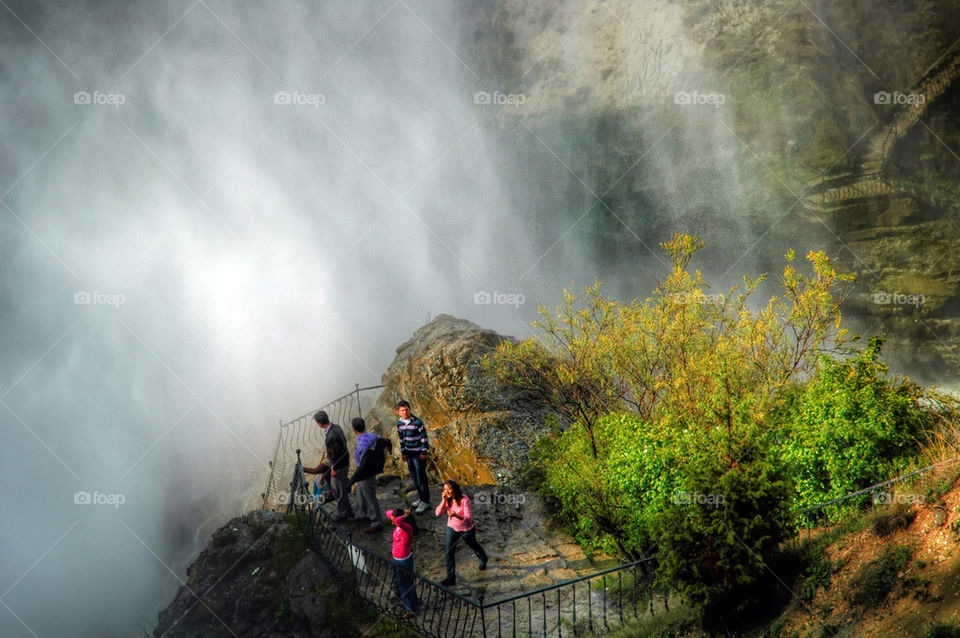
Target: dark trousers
[(404, 583), (342, 494), (418, 472), (453, 537)]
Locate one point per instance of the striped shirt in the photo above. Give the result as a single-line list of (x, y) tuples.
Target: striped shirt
[(412, 434)]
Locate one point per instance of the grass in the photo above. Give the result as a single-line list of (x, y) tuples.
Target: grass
[(875, 580)]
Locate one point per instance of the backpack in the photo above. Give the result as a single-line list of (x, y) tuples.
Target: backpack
[(379, 452)]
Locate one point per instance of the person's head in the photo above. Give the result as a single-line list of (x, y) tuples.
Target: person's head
[(359, 425), (403, 409), (322, 419), (397, 513), (451, 489)]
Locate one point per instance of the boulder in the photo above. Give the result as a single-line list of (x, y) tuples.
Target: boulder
[(480, 429)]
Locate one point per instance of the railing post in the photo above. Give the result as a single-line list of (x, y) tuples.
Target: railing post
[(356, 387), (483, 616)]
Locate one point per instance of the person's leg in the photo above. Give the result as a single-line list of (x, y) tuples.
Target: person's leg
[(343, 495), (423, 486), (413, 465), (406, 583), (471, 540), (450, 554), (397, 576), (368, 506)]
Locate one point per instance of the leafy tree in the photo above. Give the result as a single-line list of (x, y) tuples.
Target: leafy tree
[(668, 397), (851, 427)]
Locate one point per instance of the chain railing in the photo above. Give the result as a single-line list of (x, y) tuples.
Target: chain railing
[(600, 600), (303, 433)]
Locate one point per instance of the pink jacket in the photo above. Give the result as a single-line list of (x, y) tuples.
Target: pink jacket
[(463, 509), (402, 539)]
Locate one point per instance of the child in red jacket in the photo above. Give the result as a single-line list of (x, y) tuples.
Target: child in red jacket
[(404, 582)]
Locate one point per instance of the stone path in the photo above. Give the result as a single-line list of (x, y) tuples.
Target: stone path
[(525, 552)]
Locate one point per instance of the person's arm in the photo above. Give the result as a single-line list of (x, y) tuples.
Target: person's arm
[(338, 451), (364, 470), (404, 525), (466, 513), (424, 442), (442, 507), (315, 470)]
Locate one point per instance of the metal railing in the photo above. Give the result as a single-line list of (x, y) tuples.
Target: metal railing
[(303, 433), (820, 515), (589, 603)]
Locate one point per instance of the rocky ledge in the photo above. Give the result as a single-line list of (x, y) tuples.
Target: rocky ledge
[(480, 429)]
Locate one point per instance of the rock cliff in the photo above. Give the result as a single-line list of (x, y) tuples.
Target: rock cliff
[(480, 429)]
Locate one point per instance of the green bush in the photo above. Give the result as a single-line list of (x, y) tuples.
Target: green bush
[(850, 427)]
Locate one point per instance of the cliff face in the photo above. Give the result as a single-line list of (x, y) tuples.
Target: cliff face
[(255, 578), (480, 430), (791, 96)]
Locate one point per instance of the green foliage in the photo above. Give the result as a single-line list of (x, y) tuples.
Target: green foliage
[(942, 630), (816, 576), (669, 444), (850, 427), (875, 580), (697, 426)]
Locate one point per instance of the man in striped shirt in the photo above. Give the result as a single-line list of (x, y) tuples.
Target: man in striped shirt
[(412, 435)]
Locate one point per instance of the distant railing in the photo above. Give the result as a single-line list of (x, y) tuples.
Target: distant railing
[(821, 514), (899, 120), (303, 433)]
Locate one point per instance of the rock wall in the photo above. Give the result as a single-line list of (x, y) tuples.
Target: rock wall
[(480, 429)]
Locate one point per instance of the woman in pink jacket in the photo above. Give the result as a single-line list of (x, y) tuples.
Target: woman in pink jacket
[(456, 505), (404, 582)]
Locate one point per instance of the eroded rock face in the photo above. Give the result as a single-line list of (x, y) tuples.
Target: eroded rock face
[(480, 429), (255, 578)]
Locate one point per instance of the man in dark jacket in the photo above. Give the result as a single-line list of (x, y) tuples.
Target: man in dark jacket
[(370, 458), (412, 434), (338, 457)]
